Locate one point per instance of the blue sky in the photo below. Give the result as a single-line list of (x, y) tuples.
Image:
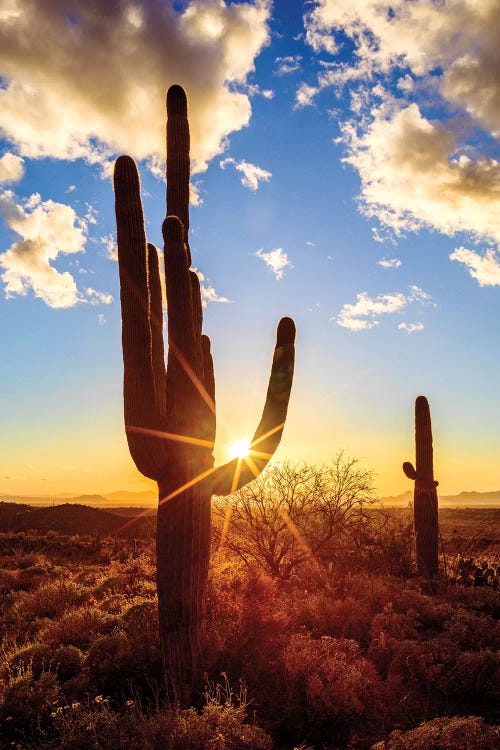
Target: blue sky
[(345, 171)]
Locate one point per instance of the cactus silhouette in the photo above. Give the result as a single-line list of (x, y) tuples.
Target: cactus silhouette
[(170, 411), (425, 502)]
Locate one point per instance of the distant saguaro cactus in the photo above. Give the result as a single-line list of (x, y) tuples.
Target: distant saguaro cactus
[(425, 503), (170, 412)]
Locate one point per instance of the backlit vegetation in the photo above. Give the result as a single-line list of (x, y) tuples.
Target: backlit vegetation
[(342, 649)]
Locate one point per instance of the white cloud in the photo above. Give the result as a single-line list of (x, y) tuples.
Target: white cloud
[(364, 313), (411, 327), (276, 260), (288, 64), (310, 244), (47, 230), (252, 174), (110, 247), (414, 175), (11, 168), (455, 41), (109, 70), (101, 320), (208, 293), (484, 267), (441, 59), (97, 298), (305, 95), (389, 262)]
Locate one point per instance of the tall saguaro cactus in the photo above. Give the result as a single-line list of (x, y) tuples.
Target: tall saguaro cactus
[(170, 411), (425, 503)]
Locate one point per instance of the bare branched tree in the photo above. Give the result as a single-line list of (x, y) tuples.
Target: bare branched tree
[(297, 514)]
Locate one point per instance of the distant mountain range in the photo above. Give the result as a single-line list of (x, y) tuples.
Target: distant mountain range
[(74, 519), (148, 499), (121, 498), (462, 500)]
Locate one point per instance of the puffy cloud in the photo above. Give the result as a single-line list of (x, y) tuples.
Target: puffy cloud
[(288, 64), (94, 297), (456, 40), (413, 176), (364, 313), (389, 262), (305, 95), (484, 267), (47, 229), (437, 57), (208, 293), (411, 327), (252, 174), (11, 168), (110, 247), (276, 260), (89, 80)]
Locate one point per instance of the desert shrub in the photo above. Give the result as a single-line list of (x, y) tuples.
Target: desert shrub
[(36, 657), (455, 733), (140, 621), (322, 614), (77, 627), (26, 707), (65, 661), (472, 631), (328, 685), (472, 683), (254, 639), (221, 725), (114, 604), (29, 578), (390, 547), (49, 600), (9, 581), (24, 560), (110, 584), (298, 516), (482, 600), (117, 665)]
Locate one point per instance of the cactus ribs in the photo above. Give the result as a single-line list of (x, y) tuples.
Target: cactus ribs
[(170, 411)]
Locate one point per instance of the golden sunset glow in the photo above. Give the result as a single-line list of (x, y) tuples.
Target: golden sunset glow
[(239, 449)]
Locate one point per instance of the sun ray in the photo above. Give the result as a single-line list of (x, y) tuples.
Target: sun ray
[(300, 538), (267, 434), (236, 476), (251, 465), (136, 519), (171, 436), (188, 485), (225, 528), (207, 398)]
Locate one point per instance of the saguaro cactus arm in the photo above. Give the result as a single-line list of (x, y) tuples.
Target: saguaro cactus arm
[(170, 411), (151, 392)]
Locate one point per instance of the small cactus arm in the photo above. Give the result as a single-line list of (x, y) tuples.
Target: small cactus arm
[(170, 411), (425, 503)]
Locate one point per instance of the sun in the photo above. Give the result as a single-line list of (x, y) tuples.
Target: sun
[(239, 448)]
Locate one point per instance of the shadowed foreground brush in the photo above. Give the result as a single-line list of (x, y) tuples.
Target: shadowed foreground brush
[(425, 503), (170, 412)]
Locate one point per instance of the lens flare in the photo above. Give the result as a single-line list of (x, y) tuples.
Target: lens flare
[(239, 449)]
